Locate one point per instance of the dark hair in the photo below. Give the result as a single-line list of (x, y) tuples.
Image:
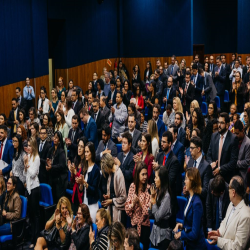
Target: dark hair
[(206, 138), (107, 129), (69, 103), (198, 132), (132, 115), (175, 245), (78, 159), (215, 114), (158, 107), (18, 88), (14, 182), (59, 134), (164, 178), (200, 118), (217, 185), (50, 124), (218, 58), (169, 135), (135, 86), (127, 136), (148, 139), (133, 238), (132, 106), (14, 99), (4, 117), (91, 147), (33, 110), (237, 183), (44, 89), (20, 146), (169, 107), (23, 112), (153, 83), (188, 73), (62, 122), (4, 127), (180, 114), (86, 213), (139, 167), (225, 116), (43, 128), (101, 83), (175, 129), (238, 125), (197, 142), (119, 92), (76, 91), (194, 66), (75, 117), (96, 100), (35, 125), (112, 81)]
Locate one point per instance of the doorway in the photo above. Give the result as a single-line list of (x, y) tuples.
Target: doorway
[(199, 49)]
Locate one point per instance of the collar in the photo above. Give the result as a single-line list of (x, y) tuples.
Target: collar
[(157, 120), (174, 143), (167, 155), (97, 113), (4, 142), (42, 142), (225, 135), (88, 119), (198, 161), (125, 155), (132, 132)]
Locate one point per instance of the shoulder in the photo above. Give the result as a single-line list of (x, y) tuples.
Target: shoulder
[(196, 200), (132, 187)]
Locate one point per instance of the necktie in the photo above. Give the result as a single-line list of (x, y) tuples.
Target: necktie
[(14, 129), (220, 149), (1, 150), (105, 146), (211, 67), (72, 136), (124, 158), (217, 223), (41, 146), (168, 90), (164, 160), (95, 116), (195, 163), (172, 69)]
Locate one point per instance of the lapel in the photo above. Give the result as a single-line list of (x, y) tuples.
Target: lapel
[(225, 144), (216, 148), (200, 168), (237, 210), (241, 151), (124, 163), (190, 205)]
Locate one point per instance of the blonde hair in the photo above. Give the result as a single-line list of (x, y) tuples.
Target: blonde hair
[(118, 231), (33, 145), (184, 60), (195, 103), (107, 163), (179, 106), (153, 130), (104, 214), (2, 183), (64, 200), (247, 104)]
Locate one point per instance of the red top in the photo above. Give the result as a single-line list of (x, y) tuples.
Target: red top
[(76, 187), (140, 101)]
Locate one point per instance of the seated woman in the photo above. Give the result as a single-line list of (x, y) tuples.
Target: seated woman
[(137, 203), (116, 236), (11, 206), (22, 119), (191, 230), (77, 236), (76, 170), (145, 155), (112, 187), (103, 221), (59, 221), (139, 101), (161, 209)]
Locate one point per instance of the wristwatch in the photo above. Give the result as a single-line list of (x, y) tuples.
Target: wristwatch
[(60, 229)]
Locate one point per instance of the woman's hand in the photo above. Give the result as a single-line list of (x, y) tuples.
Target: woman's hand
[(69, 219), (106, 196), (4, 213), (91, 236), (106, 203), (153, 191), (177, 235), (177, 227), (74, 225)]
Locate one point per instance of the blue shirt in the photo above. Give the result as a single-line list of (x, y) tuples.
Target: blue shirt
[(26, 93), (106, 88)]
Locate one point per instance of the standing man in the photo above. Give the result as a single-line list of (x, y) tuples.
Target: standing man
[(197, 61), (173, 70), (211, 64), (198, 83), (14, 117), (105, 110), (22, 104), (106, 84), (112, 94), (169, 92), (76, 104), (160, 124), (28, 94)]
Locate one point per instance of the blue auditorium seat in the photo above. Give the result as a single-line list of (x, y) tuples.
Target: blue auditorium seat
[(69, 191), (204, 108), (166, 128), (226, 96), (141, 246), (181, 203), (94, 228), (46, 198), (161, 117), (217, 101), (119, 148)]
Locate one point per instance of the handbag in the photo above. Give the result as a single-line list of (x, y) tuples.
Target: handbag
[(51, 235)]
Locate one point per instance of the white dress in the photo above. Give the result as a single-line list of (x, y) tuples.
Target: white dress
[(94, 207)]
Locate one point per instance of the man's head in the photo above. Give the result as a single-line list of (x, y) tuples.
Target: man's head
[(240, 59), (106, 76), (165, 65), (188, 77), (157, 73), (74, 95), (174, 130), (95, 76), (218, 61), (14, 103), (233, 56), (158, 63), (197, 58), (195, 147), (166, 141), (75, 122), (218, 186), (239, 130), (173, 58), (118, 97), (106, 133), (126, 142), (84, 115), (103, 101), (112, 85), (170, 82), (169, 109), (27, 80), (178, 119), (223, 123), (131, 122), (156, 111), (206, 59), (211, 60), (95, 105), (248, 60), (194, 69), (237, 190), (43, 133), (161, 70), (215, 125), (90, 98), (3, 132), (18, 92), (223, 58), (132, 240)]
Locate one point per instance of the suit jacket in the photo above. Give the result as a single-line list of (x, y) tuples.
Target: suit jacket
[(73, 147), (127, 168), (211, 68), (235, 232), (174, 172), (189, 97), (113, 99), (161, 127), (244, 158), (174, 73), (23, 104), (136, 137), (229, 154), (90, 131), (198, 88), (8, 157), (78, 106), (193, 234), (11, 120), (100, 122), (205, 171), (211, 203), (106, 113), (181, 135), (209, 87), (101, 147), (220, 80), (172, 94), (179, 152), (43, 173), (244, 71)]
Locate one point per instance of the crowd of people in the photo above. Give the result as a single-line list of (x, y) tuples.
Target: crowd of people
[(132, 146)]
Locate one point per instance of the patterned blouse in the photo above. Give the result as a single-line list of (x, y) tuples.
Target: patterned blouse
[(139, 215), (18, 167)]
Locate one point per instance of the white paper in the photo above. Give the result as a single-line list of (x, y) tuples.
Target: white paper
[(3, 164)]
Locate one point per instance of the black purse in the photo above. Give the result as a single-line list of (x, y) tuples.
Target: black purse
[(51, 236)]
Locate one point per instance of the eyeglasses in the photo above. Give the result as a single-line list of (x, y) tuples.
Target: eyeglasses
[(192, 148), (42, 133)]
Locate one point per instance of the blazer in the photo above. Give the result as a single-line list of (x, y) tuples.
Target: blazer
[(126, 98), (198, 88), (100, 122), (77, 107), (189, 97), (193, 234), (101, 147), (73, 147), (211, 68), (220, 80), (229, 154), (174, 73), (106, 113), (8, 157), (161, 127), (90, 131), (205, 171), (136, 137), (43, 173), (209, 87), (181, 135), (243, 161), (174, 172), (211, 203), (22, 104), (113, 99), (11, 120), (172, 94), (179, 152), (235, 232), (127, 168)]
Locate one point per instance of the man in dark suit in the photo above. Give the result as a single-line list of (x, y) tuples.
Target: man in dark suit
[(90, 129), (105, 145), (217, 202), (74, 134), (197, 61), (223, 150), (246, 68), (77, 105), (98, 117), (187, 92), (198, 83), (177, 147), (220, 80), (169, 160), (13, 119), (22, 104), (181, 132), (112, 94), (228, 71), (6, 151), (105, 110), (169, 92), (160, 124), (211, 64), (159, 83), (125, 160), (173, 70), (163, 76), (43, 149)]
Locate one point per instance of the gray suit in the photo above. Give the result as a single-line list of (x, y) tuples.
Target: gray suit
[(101, 147), (243, 161), (209, 87), (174, 73), (106, 113), (136, 137)]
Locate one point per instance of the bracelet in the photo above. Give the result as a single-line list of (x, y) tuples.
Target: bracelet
[(60, 229)]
